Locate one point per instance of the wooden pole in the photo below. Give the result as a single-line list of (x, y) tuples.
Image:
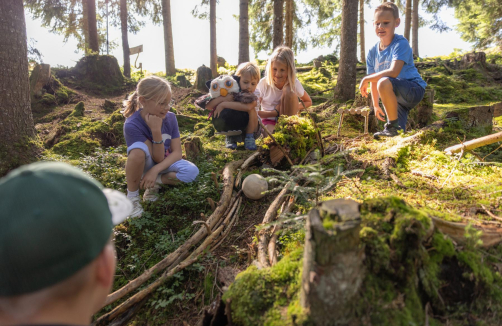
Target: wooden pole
[(475, 143)]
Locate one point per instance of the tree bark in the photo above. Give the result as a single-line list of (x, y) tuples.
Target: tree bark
[(85, 26), (16, 120), (244, 31), (415, 28), (168, 38), (361, 31), (93, 26), (333, 268), (125, 40), (212, 30), (407, 20), (289, 23), (346, 81), (278, 23)]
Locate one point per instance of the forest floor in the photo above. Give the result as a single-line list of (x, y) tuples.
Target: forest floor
[(466, 188)]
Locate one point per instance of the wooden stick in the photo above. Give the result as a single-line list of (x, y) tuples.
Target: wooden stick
[(272, 254), (244, 166), (421, 174), (270, 215), (475, 143), (138, 297), (228, 181), (318, 131), (275, 141)]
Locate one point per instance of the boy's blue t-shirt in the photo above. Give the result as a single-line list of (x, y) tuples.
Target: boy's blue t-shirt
[(398, 49)]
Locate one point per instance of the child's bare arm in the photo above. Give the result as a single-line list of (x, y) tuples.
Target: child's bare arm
[(375, 97), (214, 102), (395, 69)]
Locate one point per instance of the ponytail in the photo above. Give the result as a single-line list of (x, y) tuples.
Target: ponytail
[(131, 105)]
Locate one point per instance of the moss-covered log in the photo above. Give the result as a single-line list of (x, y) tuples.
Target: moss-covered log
[(333, 263)]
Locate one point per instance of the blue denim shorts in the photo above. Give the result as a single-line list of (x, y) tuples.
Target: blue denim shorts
[(408, 94)]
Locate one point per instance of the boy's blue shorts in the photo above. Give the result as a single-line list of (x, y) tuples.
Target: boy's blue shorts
[(408, 94)]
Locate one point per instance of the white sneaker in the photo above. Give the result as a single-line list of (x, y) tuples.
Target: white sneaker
[(137, 210), (152, 194)]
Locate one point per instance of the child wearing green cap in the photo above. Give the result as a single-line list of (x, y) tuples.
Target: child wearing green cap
[(57, 257)]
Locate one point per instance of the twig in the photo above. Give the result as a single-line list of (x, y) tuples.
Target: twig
[(272, 254), (397, 181), (275, 141), (244, 166), (208, 228), (421, 174), (491, 214)]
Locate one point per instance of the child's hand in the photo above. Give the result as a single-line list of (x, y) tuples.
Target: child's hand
[(148, 180), (363, 87), (153, 122), (218, 110), (379, 113)]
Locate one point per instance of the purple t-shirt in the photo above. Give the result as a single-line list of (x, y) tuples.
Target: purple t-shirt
[(136, 130)]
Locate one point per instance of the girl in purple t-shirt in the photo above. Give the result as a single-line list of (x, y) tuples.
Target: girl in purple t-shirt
[(153, 143)]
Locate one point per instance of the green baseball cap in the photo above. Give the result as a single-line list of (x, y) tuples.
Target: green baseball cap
[(54, 220)]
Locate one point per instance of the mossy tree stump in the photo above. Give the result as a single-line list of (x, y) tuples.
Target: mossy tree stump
[(202, 76), (40, 76), (477, 117), (333, 262), (421, 116), (99, 72)]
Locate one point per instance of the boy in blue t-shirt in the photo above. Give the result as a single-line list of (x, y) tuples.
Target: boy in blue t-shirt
[(392, 73)]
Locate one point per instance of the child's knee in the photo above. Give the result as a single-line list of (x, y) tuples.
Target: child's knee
[(384, 83), (188, 172), (136, 155)]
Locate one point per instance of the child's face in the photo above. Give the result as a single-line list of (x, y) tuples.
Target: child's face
[(248, 83), (154, 107), (279, 73), (385, 24)]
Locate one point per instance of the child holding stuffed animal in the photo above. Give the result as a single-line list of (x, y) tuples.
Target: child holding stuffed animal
[(233, 106), (279, 90)]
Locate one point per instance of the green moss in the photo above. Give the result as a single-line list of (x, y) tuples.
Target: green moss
[(259, 296), (48, 99), (62, 95), (78, 110)]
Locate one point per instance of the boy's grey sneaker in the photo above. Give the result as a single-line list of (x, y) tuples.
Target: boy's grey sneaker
[(388, 131), (230, 142), (137, 210), (250, 143)]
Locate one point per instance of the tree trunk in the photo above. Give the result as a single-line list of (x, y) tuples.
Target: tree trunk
[(333, 269), (168, 38), (415, 28), (93, 26), (85, 26), (278, 23), (346, 81), (361, 30), (289, 23), (125, 40), (244, 31), (16, 120), (407, 20), (212, 30)]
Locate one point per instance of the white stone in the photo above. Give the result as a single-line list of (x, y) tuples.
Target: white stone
[(254, 185)]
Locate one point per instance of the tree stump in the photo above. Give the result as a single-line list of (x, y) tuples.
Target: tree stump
[(39, 77), (99, 73), (421, 116), (472, 58), (497, 109), (193, 147), (183, 81), (221, 62), (317, 63), (202, 76), (333, 263), (477, 117)]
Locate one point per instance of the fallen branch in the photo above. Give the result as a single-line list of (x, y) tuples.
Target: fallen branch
[(475, 143), (182, 251), (275, 141), (397, 181), (244, 166), (491, 214), (270, 215), (141, 295), (272, 253), (456, 231), (421, 174)]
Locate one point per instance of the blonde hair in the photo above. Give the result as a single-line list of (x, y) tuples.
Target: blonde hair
[(248, 68), (285, 55), (388, 6), (151, 88)]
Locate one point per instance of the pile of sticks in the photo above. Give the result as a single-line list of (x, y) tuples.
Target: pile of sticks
[(212, 233)]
